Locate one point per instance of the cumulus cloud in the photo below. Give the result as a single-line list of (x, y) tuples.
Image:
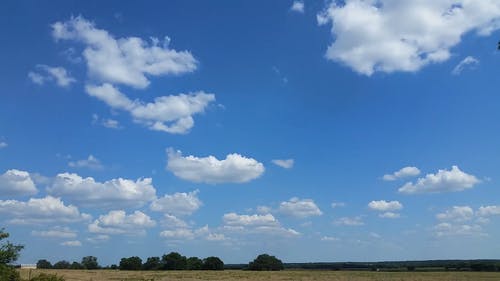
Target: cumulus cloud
[(15, 182), (45, 73), (234, 169), (180, 203), (468, 62), (126, 60), (457, 213), (171, 114), (297, 6), (90, 163), (284, 163), (443, 181), (73, 243), (109, 194), (402, 173), (448, 229), (178, 234), (41, 211), (118, 222), (256, 224), (391, 36), (384, 206), (300, 208), (349, 221), (56, 232), (185, 233), (173, 222), (489, 210)]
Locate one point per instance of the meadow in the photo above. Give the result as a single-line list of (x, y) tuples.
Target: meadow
[(289, 275)]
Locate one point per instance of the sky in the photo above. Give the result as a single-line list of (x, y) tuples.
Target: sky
[(349, 130)]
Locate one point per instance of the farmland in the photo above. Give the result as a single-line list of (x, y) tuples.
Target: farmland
[(317, 275)]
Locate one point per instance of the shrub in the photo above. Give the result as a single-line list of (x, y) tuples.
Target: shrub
[(47, 277), (8, 273)]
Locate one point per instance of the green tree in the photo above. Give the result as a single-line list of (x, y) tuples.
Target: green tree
[(132, 263), (174, 261), (194, 263), (152, 263), (266, 262), (76, 265), (213, 263), (90, 262), (62, 265), (8, 252), (43, 264)]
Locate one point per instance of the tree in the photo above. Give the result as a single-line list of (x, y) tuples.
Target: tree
[(194, 263), (132, 263), (174, 261), (62, 265), (43, 264), (213, 263), (76, 265), (90, 262), (8, 251), (152, 263), (266, 262)]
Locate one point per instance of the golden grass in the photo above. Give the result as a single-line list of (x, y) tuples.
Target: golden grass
[(288, 275)]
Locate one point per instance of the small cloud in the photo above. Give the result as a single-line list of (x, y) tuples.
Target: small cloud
[(338, 204), (91, 163), (106, 122), (390, 215), (402, 173), (45, 73), (3, 144), (468, 62), (329, 238), (349, 221), (383, 205), (74, 243), (284, 163), (297, 6)]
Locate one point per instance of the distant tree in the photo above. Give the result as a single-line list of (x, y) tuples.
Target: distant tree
[(213, 263), (132, 263), (194, 263), (152, 263), (174, 261), (90, 262), (266, 262), (76, 265), (113, 266), (410, 268), (61, 265), (43, 264)]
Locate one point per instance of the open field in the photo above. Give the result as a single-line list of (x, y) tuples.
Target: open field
[(317, 275)]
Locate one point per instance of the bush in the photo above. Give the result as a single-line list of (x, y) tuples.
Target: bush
[(213, 263), (8, 273), (47, 277), (266, 262)]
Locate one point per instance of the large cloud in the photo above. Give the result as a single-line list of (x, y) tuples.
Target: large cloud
[(118, 222), (442, 181), (180, 203), (300, 208), (41, 211), (124, 60), (109, 194), (234, 169), (15, 182), (391, 35)]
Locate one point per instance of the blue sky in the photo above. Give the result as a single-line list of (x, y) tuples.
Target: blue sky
[(314, 131)]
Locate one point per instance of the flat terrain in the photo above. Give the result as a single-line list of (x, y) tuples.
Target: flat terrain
[(115, 275)]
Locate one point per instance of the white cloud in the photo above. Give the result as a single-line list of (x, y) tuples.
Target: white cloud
[(390, 36), (457, 213), (402, 173), (15, 182), (172, 114), (489, 210), (105, 122), (126, 60), (90, 163), (256, 224), (98, 238), (300, 208), (284, 163), (384, 206), (353, 221), (234, 169), (263, 209), (443, 181), (41, 211), (109, 194), (389, 215), (173, 222), (469, 62), (47, 73), (448, 229), (297, 6), (56, 232), (185, 233), (329, 238), (178, 234), (180, 203), (118, 222), (3, 144), (338, 204), (73, 243)]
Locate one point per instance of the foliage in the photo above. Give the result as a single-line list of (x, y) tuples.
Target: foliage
[(43, 264), (194, 263), (8, 251), (174, 261), (47, 277), (61, 265), (90, 262), (8, 273), (76, 265), (266, 262), (132, 263), (152, 263), (213, 263)]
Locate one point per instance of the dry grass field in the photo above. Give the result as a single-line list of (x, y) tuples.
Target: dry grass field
[(290, 275)]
